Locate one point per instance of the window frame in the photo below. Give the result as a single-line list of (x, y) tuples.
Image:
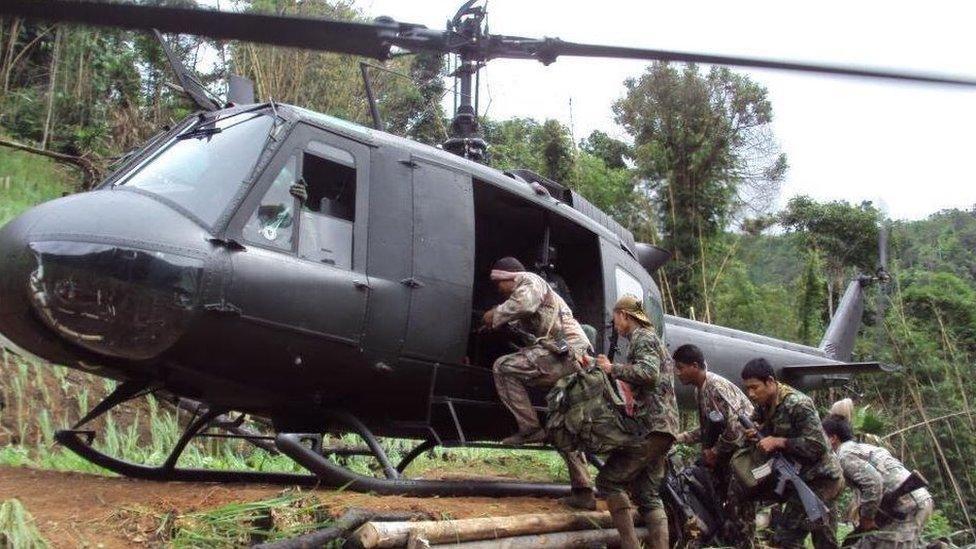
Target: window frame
[(297, 143)]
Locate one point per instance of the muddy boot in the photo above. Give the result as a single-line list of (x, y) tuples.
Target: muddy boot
[(580, 498), (656, 522), (621, 511)]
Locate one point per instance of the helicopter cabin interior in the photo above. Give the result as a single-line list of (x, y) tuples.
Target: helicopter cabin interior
[(509, 225)]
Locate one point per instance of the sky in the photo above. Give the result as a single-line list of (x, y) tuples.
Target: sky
[(907, 147)]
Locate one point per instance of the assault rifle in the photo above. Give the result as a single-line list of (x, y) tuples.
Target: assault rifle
[(614, 341), (786, 472)]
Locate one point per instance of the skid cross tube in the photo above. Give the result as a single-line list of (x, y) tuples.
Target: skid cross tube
[(335, 476)]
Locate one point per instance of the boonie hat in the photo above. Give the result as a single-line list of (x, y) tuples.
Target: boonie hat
[(632, 307)]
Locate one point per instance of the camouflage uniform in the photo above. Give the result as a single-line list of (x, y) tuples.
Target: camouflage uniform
[(640, 470), (795, 418), (721, 395), (872, 472), (536, 309)]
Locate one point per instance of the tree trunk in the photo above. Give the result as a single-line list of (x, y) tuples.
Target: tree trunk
[(52, 82), (9, 57), (88, 169), (395, 534)]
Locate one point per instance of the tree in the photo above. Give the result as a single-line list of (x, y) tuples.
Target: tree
[(613, 152), (844, 235), (704, 143)]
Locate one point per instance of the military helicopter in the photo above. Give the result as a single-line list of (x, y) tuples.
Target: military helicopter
[(191, 272)]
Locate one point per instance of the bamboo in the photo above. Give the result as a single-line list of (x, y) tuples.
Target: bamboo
[(52, 82), (581, 539), (395, 534)]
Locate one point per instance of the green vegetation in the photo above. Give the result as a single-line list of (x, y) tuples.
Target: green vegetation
[(27, 179), (17, 528)]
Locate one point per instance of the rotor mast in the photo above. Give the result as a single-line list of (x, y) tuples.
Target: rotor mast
[(466, 139)]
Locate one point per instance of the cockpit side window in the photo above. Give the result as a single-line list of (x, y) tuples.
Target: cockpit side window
[(329, 214), (273, 222)]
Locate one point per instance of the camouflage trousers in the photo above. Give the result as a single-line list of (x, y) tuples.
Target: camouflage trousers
[(535, 366), (738, 508), (638, 471), (900, 534), (789, 521)]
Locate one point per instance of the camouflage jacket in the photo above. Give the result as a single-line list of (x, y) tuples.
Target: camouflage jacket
[(795, 418), (538, 310), (873, 472), (650, 372), (720, 395)]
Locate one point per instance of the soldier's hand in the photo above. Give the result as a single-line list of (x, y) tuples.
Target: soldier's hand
[(771, 444), (489, 318), (300, 191), (751, 434), (867, 524), (604, 363)]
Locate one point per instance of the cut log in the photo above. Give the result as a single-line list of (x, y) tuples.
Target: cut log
[(582, 539), (395, 534)]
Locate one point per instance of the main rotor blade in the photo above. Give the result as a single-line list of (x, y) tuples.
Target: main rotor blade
[(367, 40), (549, 49)]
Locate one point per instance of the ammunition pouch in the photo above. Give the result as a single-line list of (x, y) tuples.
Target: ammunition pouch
[(752, 470), (555, 345)]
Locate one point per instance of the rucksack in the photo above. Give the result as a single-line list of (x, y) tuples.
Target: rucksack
[(587, 414)]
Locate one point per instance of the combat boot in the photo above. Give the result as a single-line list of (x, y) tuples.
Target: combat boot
[(580, 498), (621, 511), (656, 522), (525, 437)]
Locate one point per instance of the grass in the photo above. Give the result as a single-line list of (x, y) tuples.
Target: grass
[(17, 528), (27, 179)]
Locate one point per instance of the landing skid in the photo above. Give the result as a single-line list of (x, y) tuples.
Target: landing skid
[(304, 449)]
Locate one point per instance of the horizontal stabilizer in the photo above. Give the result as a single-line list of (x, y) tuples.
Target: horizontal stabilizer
[(800, 370)]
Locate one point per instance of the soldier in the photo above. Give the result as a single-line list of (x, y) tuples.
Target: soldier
[(873, 472), (721, 399), (559, 344), (640, 469), (790, 424)]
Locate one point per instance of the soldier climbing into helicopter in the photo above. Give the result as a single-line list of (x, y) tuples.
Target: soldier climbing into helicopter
[(554, 348), (639, 469)]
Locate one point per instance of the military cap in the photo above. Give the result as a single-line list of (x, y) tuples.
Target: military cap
[(632, 307)]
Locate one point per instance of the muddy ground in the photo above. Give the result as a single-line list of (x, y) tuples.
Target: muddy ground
[(80, 510)]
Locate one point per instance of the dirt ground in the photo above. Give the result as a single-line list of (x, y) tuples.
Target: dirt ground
[(80, 510)]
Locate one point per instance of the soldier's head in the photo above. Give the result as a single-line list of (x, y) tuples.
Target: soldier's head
[(503, 274), (760, 381), (837, 429), (628, 314), (689, 362)]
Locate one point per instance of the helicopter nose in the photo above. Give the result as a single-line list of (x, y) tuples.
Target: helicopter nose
[(116, 273)]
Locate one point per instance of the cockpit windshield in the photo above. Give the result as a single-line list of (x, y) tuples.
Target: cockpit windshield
[(203, 168)]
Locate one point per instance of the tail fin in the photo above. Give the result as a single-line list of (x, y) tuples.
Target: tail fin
[(838, 340)]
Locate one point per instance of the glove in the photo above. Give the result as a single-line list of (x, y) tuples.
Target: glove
[(300, 191)]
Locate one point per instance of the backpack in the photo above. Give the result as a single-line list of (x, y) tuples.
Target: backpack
[(587, 414)]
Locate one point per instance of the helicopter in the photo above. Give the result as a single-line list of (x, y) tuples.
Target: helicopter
[(193, 273)]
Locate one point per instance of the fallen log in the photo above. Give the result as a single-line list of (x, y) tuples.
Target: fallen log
[(350, 520), (395, 534), (581, 539)]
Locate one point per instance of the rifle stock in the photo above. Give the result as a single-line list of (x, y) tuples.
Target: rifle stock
[(786, 472)]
